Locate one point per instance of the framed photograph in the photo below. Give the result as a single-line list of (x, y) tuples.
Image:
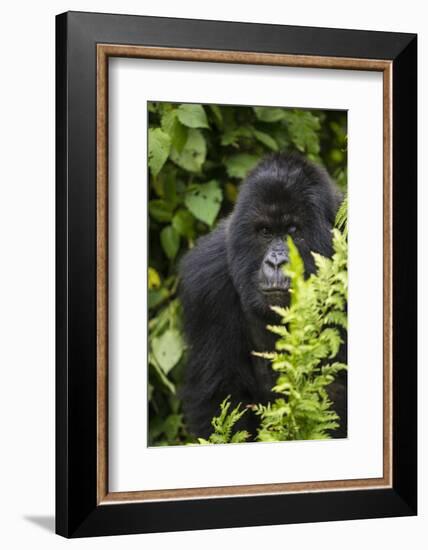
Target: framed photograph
[(236, 274)]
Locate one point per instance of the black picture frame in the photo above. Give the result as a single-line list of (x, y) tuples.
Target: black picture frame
[(78, 513)]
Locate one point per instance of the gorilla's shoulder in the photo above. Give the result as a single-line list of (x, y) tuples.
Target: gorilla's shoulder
[(203, 271)]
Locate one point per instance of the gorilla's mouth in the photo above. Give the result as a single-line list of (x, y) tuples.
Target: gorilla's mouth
[(276, 295), (277, 289)]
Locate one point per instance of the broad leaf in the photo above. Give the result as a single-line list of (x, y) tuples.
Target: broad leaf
[(192, 115), (193, 154), (232, 135), (217, 115), (170, 188), (184, 223), (159, 148), (160, 210), (204, 201), (156, 297), (161, 375), (231, 191), (176, 131), (168, 349), (266, 139), (303, 128), (269, 114), (172, 425), (238, 166), (170, 241), (154, 279)]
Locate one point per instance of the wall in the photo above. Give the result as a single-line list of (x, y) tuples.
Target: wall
[(27, 271)]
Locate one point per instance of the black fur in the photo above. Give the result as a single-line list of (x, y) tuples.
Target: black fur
[(225, 313)]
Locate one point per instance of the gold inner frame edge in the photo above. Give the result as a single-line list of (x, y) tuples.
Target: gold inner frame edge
[(104, 51)]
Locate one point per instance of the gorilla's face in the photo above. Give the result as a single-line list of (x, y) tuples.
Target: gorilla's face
[(284, 196), (271, 279)]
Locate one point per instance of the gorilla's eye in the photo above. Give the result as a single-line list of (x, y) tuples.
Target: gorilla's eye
[(265, 232)]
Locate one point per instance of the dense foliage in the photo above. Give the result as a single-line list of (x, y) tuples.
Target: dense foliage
[(198, 156)]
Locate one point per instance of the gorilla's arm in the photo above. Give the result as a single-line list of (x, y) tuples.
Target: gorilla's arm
[(218, 354)]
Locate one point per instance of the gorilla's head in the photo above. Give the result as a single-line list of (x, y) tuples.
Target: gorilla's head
[(284, 195)]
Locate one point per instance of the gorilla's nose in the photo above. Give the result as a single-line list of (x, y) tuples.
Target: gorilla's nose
[(276, 259)]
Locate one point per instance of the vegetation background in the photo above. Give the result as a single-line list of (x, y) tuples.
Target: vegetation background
[(198, 156)]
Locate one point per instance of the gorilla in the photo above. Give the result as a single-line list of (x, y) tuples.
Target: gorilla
[(229, 280)]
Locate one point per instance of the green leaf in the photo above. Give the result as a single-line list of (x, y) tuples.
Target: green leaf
[(231, 191), (342, 216), (172, 425), (240, 437), (159, 148), (184, 223), (170, 189), (170, 241), (296, 267), (224, 423), (176, 131), (160, 210), (231, 135), (238, 166), (204, 201), (168, 349), (168, 121), (161, 375), (217, 115), (156, 297), (269, 114), (154, 279), (266, 139), (192, 116), (303, 128), (194, 152), (179, 137)]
